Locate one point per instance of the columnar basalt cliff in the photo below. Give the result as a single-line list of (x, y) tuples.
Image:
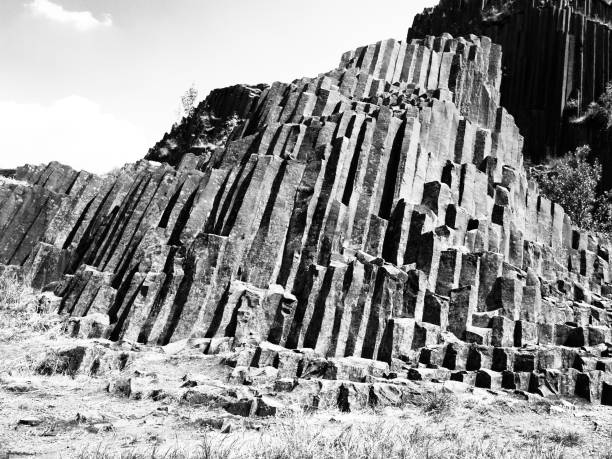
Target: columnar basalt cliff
[(557, 56), (378, 211)]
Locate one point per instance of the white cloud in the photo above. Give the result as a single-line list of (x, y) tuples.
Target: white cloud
[(81, 20), (73, 131)]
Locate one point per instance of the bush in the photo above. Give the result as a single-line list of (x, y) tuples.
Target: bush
[(602, 213), (572, 181), (599, 113)]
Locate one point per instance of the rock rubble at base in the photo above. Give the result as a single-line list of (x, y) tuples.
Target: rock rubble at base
[(378, 213), (265, 380)]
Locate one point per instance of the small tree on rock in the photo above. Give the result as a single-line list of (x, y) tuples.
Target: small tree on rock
[(188, 102)]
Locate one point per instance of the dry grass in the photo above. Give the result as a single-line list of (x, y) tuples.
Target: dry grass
[(21, 313), (302, 437)]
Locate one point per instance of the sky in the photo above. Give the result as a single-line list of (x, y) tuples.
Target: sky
[(95, 83)]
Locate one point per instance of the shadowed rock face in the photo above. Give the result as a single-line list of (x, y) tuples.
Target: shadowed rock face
[(557, 60), (379, 211)]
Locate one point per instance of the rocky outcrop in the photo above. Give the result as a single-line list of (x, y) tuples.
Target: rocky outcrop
[(557, 56), (378, 211), (209, 126)]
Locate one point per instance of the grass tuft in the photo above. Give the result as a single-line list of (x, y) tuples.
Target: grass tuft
[(565, 437), (437, 403)]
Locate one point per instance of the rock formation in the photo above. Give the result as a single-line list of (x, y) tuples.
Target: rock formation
[(378, 211), (557, 56)]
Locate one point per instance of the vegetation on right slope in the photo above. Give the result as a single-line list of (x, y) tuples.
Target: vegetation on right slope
[(572, 181)]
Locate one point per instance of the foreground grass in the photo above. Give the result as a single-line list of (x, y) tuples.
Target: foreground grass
[(381, 440), (411, 434)]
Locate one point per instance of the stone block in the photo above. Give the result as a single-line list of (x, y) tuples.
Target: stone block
[(606, 393), (90, 326), (266, 355), (503, 359), (466, 377), (461, 307), (429, 374), (470, 266), (525, 333), (510, 380), (479, 357), (488, 379), (425, 335), (348, 397), (604, 364), (546, 334), (490, 270), (289, 363), (506, 295), (525, 361), (435, 310), (502, 332), (456, 355), (588, 385), (569, 335), (432, 357), (402, 338), (549, 358), (436, 196), (449, 270), (355, 369), (585, 363), (599, 335), (478, 335), (483, 319)]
